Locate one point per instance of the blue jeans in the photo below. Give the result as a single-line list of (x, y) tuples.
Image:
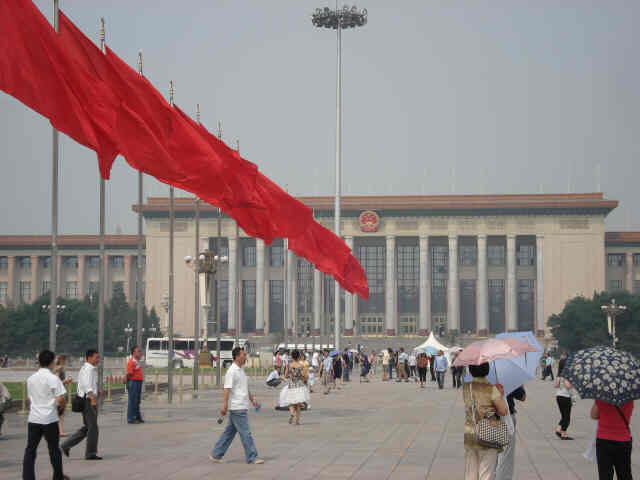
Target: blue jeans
[(390, 371), (134, 387), (238, 422)]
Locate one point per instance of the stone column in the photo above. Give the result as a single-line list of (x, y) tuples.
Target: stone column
[(266, 302), (425, 291), (348, 301), (629, 273), (233, 285), (82, 268), (482, 287), (540, 319), (389, 289), (317, 301), (292, 309), (512, 311), (259, 287), (453, 297), (35, 277), (11, 277), (61, 279), (126, 285)]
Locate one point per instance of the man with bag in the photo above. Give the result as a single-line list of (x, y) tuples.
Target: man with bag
[(483, 432), (441, 365), (135, 377), (88, 392)]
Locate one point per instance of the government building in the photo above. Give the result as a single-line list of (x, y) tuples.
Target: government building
[(473, 264)]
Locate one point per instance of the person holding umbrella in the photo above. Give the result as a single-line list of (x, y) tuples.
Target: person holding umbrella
[(612, 379)]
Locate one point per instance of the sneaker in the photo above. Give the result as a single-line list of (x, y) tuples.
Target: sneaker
[(215, 460), (257, 461), (65, 451)]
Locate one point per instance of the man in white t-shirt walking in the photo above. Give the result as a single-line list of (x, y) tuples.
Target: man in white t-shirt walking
[(236, 402), (46, 395)]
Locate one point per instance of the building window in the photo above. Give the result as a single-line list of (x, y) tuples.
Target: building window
[(71, 290), (467, 255), (408, 274), (94, 289), (4, 263), (496, 306), (25, 292), (143, 263), (249, 305), (636, 287), (118, 286), (468, 306), (24, 263), (93, 262), (46, 287), (71, 262), (525, 305), (222, 292), (615, 259), (636, 259), (526, 255), (45, 263), (495, 254), (304, 287), (439, 278), (372, 258), (615, 285), (372, 325), (4, 292), (276, 306), (117, 262), (276, 255), (249, 255), (408, 325)]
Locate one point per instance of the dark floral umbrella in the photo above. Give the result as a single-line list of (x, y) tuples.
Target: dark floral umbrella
[(604, 373)]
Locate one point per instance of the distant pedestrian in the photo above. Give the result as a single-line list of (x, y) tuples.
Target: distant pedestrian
[(613, 439), (296, 376), (60, 372), (365, 366), (373, 362), (548, 370), (135, 378), (403, 365), (46, 397), (441, 365), (337, 371), (386, 359), (327, 372), (347, 363), (236, 401), (87, 390), (432, 368), (564, 398), (412, 366), (422, 362)]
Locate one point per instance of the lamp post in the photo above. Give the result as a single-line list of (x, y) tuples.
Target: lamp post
[(57, 313), (128, 331), (612, 311), (338, 19)]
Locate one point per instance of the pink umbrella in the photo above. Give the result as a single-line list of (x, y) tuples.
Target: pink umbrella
[(492, 349)]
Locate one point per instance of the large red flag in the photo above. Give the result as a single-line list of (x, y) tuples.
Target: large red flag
[(32, 69)]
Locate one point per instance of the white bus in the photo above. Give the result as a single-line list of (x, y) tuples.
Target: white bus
[(184, 351)]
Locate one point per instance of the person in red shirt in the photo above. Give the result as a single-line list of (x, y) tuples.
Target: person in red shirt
[(135, 378), (613, 442)]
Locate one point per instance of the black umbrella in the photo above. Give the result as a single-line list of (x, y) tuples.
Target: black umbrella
[(604, 373)]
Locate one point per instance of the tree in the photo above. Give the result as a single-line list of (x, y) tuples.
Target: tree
[(581, 324)]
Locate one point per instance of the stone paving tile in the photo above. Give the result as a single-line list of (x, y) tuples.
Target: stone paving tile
[(363, 431)]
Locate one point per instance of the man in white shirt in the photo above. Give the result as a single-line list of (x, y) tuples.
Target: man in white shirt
[(402, 366), (46, 396), (236, 402), (441, 367), (87, 389)]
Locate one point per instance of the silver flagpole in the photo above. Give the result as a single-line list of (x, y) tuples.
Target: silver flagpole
[(171, 299), (216, 303), (53, 266), (238, 288), (139, 269), (102, 270), (196, 307)]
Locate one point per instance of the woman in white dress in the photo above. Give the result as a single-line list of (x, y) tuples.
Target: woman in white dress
[(296, 376)]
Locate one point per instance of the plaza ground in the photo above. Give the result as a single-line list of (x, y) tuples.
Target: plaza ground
[(369, 431)]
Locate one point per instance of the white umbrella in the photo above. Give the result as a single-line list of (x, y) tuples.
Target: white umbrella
[(507, 372)]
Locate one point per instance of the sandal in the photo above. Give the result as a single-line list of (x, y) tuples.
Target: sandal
[(290, 419)]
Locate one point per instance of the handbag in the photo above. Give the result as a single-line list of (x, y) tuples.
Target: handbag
[(491, 431), (77, 404)]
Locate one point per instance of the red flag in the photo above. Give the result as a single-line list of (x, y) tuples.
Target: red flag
[(32, 69)]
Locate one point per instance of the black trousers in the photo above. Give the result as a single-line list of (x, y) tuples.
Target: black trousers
[(89, 430), (422, 372), (546, 372), (613, 455), (564, 404), (35, 432)]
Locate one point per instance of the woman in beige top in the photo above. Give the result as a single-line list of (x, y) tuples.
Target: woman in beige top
[(61, 361), (480, 461)]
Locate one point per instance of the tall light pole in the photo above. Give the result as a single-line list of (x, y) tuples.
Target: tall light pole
[(612, 311), (338, 19)]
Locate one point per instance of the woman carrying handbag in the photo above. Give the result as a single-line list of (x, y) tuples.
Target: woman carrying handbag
[(484, 434)]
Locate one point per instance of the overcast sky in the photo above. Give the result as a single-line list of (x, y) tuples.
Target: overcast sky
[(439, 96)]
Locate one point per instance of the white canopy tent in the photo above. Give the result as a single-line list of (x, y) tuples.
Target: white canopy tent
[(432, 342)]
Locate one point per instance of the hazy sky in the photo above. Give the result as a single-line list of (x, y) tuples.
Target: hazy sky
[(512, 96)]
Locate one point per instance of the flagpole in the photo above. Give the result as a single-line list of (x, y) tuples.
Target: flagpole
[(196, 307), (139, 270), (239, 319), (53, 265), (101, 273), (171, 228)]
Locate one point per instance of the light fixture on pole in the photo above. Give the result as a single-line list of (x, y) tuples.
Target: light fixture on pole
[(613, 310), (337, 20), (128, 331)]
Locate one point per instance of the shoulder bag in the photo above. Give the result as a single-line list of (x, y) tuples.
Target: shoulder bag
[(77, 404), (626, 422), (490, 432)]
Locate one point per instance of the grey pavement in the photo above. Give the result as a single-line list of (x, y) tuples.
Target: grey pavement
[(379, 430)]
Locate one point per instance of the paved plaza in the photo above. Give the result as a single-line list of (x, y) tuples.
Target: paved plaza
[(365, 431)]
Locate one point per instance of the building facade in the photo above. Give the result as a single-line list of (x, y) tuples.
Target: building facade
[(474, 264)]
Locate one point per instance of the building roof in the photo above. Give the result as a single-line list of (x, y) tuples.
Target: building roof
[(422, 204), (69, 241), (622, 238)]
